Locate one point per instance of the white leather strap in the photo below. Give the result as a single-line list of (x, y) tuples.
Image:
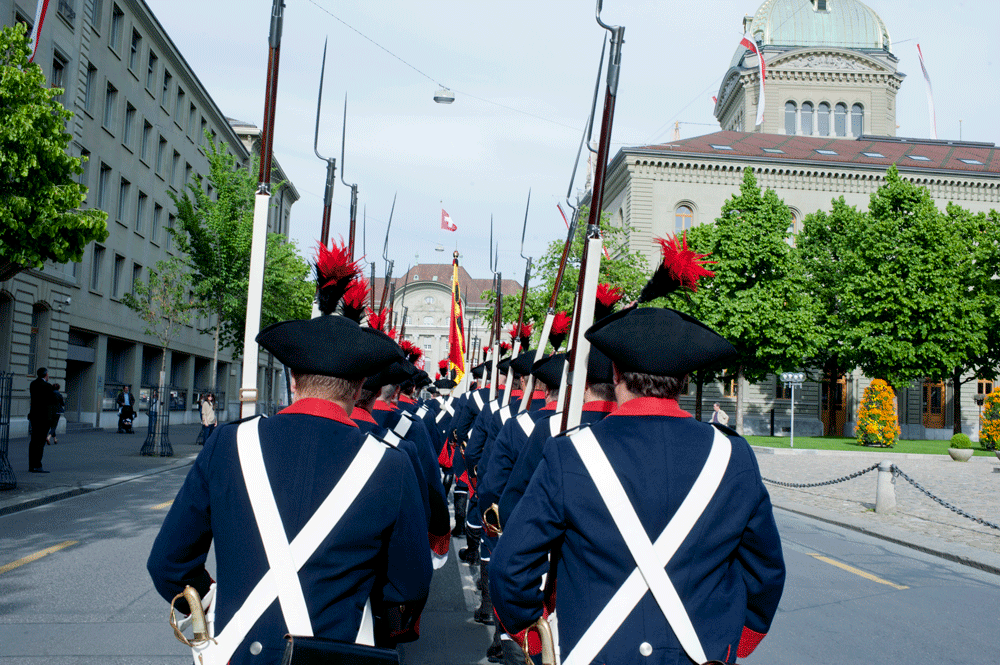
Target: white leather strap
[(302, 547), (402, 427), (478, 399), (504, 415), (391, 439), (526, 423), (447, 408), (555, 424), (650, 559), (422, 411), (272, 532)]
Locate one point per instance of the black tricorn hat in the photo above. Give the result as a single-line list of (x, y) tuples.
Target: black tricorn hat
[(394, 374), (599, 367), (662, 342), (330, 346), (422, 379), (502, 367), (445, 384), (522, 364), (549, 370), (477, 371)]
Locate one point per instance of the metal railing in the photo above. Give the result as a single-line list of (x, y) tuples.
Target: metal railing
[(8, 480)]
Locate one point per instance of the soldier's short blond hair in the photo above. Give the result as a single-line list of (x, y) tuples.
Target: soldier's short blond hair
[(326, 387)]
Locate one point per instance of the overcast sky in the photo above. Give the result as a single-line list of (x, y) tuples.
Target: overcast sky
[(479, 156)]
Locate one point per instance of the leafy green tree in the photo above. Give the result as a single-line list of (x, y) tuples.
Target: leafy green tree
[(40, 218), (821, 247), (625, 269), (906, 308), (162, 305), (758, 298), (288, 285)]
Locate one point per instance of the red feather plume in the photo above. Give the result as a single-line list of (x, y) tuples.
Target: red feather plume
[(353, 304), (560, 329), (334, 271), (505, 347), (443, 364), (512, 332), (378, 321), (412, 351), (392, 333), (681, 268), (607, 297)]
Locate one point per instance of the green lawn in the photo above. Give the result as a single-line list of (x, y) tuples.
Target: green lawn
[(844, 443)]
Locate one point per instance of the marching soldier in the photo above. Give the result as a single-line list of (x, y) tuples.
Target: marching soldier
[(305, 543), (668, 550)]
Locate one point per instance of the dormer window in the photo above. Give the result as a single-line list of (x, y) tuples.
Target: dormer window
[(819, 5)]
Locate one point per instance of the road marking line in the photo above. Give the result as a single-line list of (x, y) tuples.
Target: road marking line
[(161, 506), (37, 555), (852, 569)]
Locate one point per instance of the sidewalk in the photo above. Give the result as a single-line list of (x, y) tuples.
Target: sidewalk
[(88, 461), (918, 521)]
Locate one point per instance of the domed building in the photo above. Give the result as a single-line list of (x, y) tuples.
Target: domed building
[(828, 130), (829, 70)]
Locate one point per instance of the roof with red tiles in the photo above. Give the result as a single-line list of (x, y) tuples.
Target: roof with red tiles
[(908, 154), (472, 288)]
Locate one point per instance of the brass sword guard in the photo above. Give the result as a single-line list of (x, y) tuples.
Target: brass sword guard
[(545, 637), (491, 521), (199, 624)]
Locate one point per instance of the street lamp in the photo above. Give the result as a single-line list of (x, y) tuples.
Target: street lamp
[(979, 398), (793, 380), (444, 96)]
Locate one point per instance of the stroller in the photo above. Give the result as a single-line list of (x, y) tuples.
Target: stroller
[(125, 417)]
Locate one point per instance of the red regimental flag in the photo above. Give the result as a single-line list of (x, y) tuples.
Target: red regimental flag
[(446, 222), (456, 331), (748, 43)]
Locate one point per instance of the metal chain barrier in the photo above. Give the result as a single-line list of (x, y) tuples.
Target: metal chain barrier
[(896, 471), (825, 482)]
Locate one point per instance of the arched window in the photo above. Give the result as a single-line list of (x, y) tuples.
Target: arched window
[(793, 226), (857, 120), (429, 300), (38, 342), (823, 119), (790, 111), (807, 118), (840, 119), (683, 218)]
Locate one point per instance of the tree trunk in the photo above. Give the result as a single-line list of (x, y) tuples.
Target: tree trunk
[(699, 389), (832, 387), (215, 354), (739, 400), (957, 403)]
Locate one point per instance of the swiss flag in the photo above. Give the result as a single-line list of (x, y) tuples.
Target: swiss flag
[(446, 222)]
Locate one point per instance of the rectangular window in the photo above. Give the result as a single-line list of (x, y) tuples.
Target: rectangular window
[(134, 50), (151, 63), (192, 114), (179, 106), (123, 188), (96, 7), (89, 90), (154, 232), (201, 134), (165, 90), (97, 262), (175, 169), (129, 122), (140, 212), (187, 174), (781, 391), (116, 275), (170, 225), (85, 165), (102, 187), (985, 387), (58, 76), (161, 151), (136, 275), (147, 130), (110, 104), (117, 22)]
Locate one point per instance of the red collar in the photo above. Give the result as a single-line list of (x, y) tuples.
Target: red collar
[(651, 406), (517, 393), (538, 394), (379, 405), (406, 399), (602, 406), (313, 406), (551, 406), (360, 414)]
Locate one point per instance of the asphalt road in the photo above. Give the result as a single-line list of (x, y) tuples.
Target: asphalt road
[(74, 590)]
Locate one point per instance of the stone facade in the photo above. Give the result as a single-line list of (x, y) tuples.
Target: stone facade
[(140, 117)]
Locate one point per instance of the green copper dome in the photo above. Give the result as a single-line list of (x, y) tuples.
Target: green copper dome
[(842, 23)]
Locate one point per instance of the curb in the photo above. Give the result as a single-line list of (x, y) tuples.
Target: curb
[(58, 495), (935, 550)]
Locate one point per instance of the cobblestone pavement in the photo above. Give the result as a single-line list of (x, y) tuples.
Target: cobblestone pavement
[(972, 486)]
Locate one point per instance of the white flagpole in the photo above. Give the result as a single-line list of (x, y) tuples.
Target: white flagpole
[(749, 43), (930, 94)]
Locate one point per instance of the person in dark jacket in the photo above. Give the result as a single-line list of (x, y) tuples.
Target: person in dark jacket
[(56, 409), (38, 418)]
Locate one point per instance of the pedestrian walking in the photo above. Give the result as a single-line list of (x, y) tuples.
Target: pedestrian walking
[(154, 404), (56, 409), (126, 410), (719, 416), (208, 419), (40, 393)]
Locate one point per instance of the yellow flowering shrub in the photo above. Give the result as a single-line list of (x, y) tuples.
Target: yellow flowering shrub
[(877, 416), (989, 426)]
